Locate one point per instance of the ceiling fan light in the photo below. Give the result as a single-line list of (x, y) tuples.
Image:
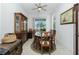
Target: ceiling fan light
[(39, 9)]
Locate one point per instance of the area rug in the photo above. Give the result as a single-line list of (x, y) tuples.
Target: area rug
[(39, 50)]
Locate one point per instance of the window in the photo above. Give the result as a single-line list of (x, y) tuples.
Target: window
[(40, 24)]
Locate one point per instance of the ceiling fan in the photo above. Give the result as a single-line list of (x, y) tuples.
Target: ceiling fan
[(40, 7)]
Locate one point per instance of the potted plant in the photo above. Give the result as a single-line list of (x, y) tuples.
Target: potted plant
[(42, 27)]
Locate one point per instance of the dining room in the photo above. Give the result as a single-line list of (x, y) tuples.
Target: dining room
[(42, 28)]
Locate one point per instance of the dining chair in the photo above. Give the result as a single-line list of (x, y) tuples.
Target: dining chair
[(52, 35), (45, 42)]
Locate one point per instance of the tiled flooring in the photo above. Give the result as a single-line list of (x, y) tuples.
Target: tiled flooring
[(60, 50)]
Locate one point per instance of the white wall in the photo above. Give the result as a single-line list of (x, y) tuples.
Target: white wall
[(0, 22), (7, 11), (30, 22), (64, 33)]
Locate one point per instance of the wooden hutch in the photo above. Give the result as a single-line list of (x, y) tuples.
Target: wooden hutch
[(20, 26)]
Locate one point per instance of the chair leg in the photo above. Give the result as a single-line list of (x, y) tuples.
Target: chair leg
[(49, 50), (41, 50)]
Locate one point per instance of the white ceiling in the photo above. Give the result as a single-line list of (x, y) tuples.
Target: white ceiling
[(29, 6)]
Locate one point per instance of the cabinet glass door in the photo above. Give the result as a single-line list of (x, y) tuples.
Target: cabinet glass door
[(17, 24), (25, 24)]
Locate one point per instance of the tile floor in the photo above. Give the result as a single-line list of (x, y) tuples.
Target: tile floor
[(60, 50)]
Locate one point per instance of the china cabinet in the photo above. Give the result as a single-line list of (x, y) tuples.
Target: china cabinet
[(20, 26)]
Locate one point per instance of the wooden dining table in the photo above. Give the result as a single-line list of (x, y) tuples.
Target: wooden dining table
[(41, 42)]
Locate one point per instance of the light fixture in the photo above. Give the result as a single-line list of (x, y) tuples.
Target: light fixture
[(39, 9)]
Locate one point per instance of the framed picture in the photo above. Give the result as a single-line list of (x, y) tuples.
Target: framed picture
[(67, 17)]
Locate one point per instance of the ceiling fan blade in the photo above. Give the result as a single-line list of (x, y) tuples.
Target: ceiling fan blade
[(43, 9), (39, 4), (34, 8), (36, 5)]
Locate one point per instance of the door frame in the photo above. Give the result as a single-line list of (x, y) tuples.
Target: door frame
[(76, 7)]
